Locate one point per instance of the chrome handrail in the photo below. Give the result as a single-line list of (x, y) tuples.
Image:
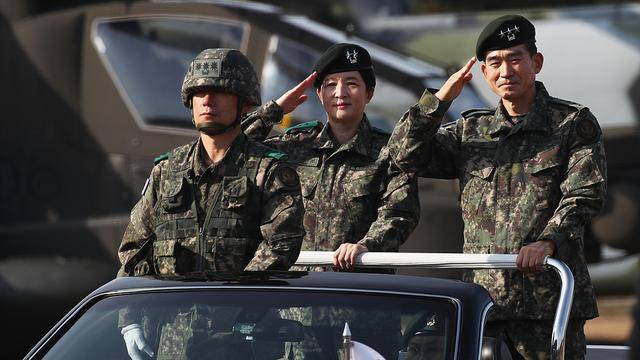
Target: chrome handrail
[(464, 261)]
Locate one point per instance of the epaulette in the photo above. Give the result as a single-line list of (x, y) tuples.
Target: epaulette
[(567, 103), (306, 126), (477, 112), (275, 154), (160, 158)]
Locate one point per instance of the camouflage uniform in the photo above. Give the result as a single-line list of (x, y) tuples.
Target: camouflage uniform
[(542, 178), (242, 213), (350, 194)]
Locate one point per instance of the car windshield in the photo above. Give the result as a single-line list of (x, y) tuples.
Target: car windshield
[(264, 324)]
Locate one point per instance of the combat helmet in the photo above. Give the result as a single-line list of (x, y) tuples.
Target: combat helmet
[(226, 70)]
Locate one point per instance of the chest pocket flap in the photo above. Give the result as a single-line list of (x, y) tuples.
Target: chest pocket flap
[(478, 155), (544, 160), (235, 191), (176, 195), (365, 184), (308, 173), (483, 173)]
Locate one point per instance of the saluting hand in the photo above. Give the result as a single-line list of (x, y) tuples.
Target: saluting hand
[(456, 82), (531, 257), (290, 100)]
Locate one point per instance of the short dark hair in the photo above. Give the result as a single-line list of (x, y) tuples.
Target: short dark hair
[(531, 47)]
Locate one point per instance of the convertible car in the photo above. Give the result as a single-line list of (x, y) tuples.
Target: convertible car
[(300, 315)]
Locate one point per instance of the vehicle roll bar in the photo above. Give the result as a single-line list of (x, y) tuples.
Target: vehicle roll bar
[(463, 261)]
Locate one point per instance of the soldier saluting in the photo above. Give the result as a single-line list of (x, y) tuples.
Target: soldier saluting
[(532, 173), (354, 200)]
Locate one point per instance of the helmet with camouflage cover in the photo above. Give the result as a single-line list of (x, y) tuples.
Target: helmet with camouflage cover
[(226, 70)]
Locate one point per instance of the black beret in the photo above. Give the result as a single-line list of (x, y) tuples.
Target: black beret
[(345, 57), (505, 32)]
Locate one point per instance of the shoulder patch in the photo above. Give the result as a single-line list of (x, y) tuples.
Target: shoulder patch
[(306, 126), (275, 154), (477, 112), (162, 157), (587, 129), (288, 176)]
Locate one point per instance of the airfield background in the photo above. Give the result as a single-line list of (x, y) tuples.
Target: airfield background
[(592, 56)]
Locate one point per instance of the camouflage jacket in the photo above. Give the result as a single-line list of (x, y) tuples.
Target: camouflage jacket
[(243, 213), (543, 178), (350, 192)]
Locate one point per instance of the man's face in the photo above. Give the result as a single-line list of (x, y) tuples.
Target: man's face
[(511, 73), (344, 96), (425, 347), (214, 107)]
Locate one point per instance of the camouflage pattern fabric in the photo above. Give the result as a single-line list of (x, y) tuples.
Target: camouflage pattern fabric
[(351, 193), (542, 178), (232, 216), (223, 69), (531, 339), (243, 213)]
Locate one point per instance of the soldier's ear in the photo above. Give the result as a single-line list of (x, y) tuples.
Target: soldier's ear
[(538, 60), (483, 67), (370, 91)]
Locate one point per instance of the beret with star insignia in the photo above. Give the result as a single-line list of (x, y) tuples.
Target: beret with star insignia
[(505, 32), (342, 58)]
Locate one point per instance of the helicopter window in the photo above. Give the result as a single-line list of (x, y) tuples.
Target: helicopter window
[(231, 324), (147, 58), (289, 62)]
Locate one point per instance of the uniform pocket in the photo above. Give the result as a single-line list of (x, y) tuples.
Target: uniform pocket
[(276, 207), (235, 193), (164, 257), (482, 173), (176, 196), (543, 161), (543, 170), (364, 185), (473, 199)]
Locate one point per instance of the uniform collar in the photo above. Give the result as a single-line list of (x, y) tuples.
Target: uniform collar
[(359, 143), (231, 157), (537, 119)]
